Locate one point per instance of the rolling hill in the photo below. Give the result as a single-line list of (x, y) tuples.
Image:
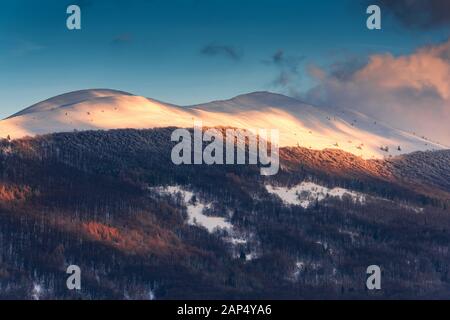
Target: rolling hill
[(299, 124)]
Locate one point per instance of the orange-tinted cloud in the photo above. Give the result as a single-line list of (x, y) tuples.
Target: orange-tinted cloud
[(411, 91)]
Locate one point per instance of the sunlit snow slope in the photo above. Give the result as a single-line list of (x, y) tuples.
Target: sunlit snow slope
[(299, 124)]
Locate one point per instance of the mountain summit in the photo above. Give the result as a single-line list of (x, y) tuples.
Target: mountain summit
[(68, 99), (300, 124)]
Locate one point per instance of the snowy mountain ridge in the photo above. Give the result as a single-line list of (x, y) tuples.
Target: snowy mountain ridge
[(299, 124)]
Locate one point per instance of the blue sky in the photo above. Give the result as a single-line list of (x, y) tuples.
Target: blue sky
[(186, 51)]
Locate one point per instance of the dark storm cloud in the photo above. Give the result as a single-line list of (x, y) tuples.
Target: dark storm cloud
[(222, 50), (422, 14)]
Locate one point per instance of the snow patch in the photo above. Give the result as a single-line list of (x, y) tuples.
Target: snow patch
[(37, 291), (251, 256), (352, 234), (237, 241), (195, 210), (151, 294), (307, 193), (299, 267), (240, 243)]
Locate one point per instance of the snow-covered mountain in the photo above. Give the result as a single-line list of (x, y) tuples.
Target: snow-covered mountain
[(300, 124)]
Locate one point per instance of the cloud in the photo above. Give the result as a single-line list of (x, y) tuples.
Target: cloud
[(423, 14), (122, 38), (287, 63), (411, 92), (19, 47), (222, 50), (289, 68)]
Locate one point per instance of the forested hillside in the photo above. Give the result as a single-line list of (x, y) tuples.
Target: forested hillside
[(113, 203)]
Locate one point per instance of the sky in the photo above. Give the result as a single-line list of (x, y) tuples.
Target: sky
[(192, 51)]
